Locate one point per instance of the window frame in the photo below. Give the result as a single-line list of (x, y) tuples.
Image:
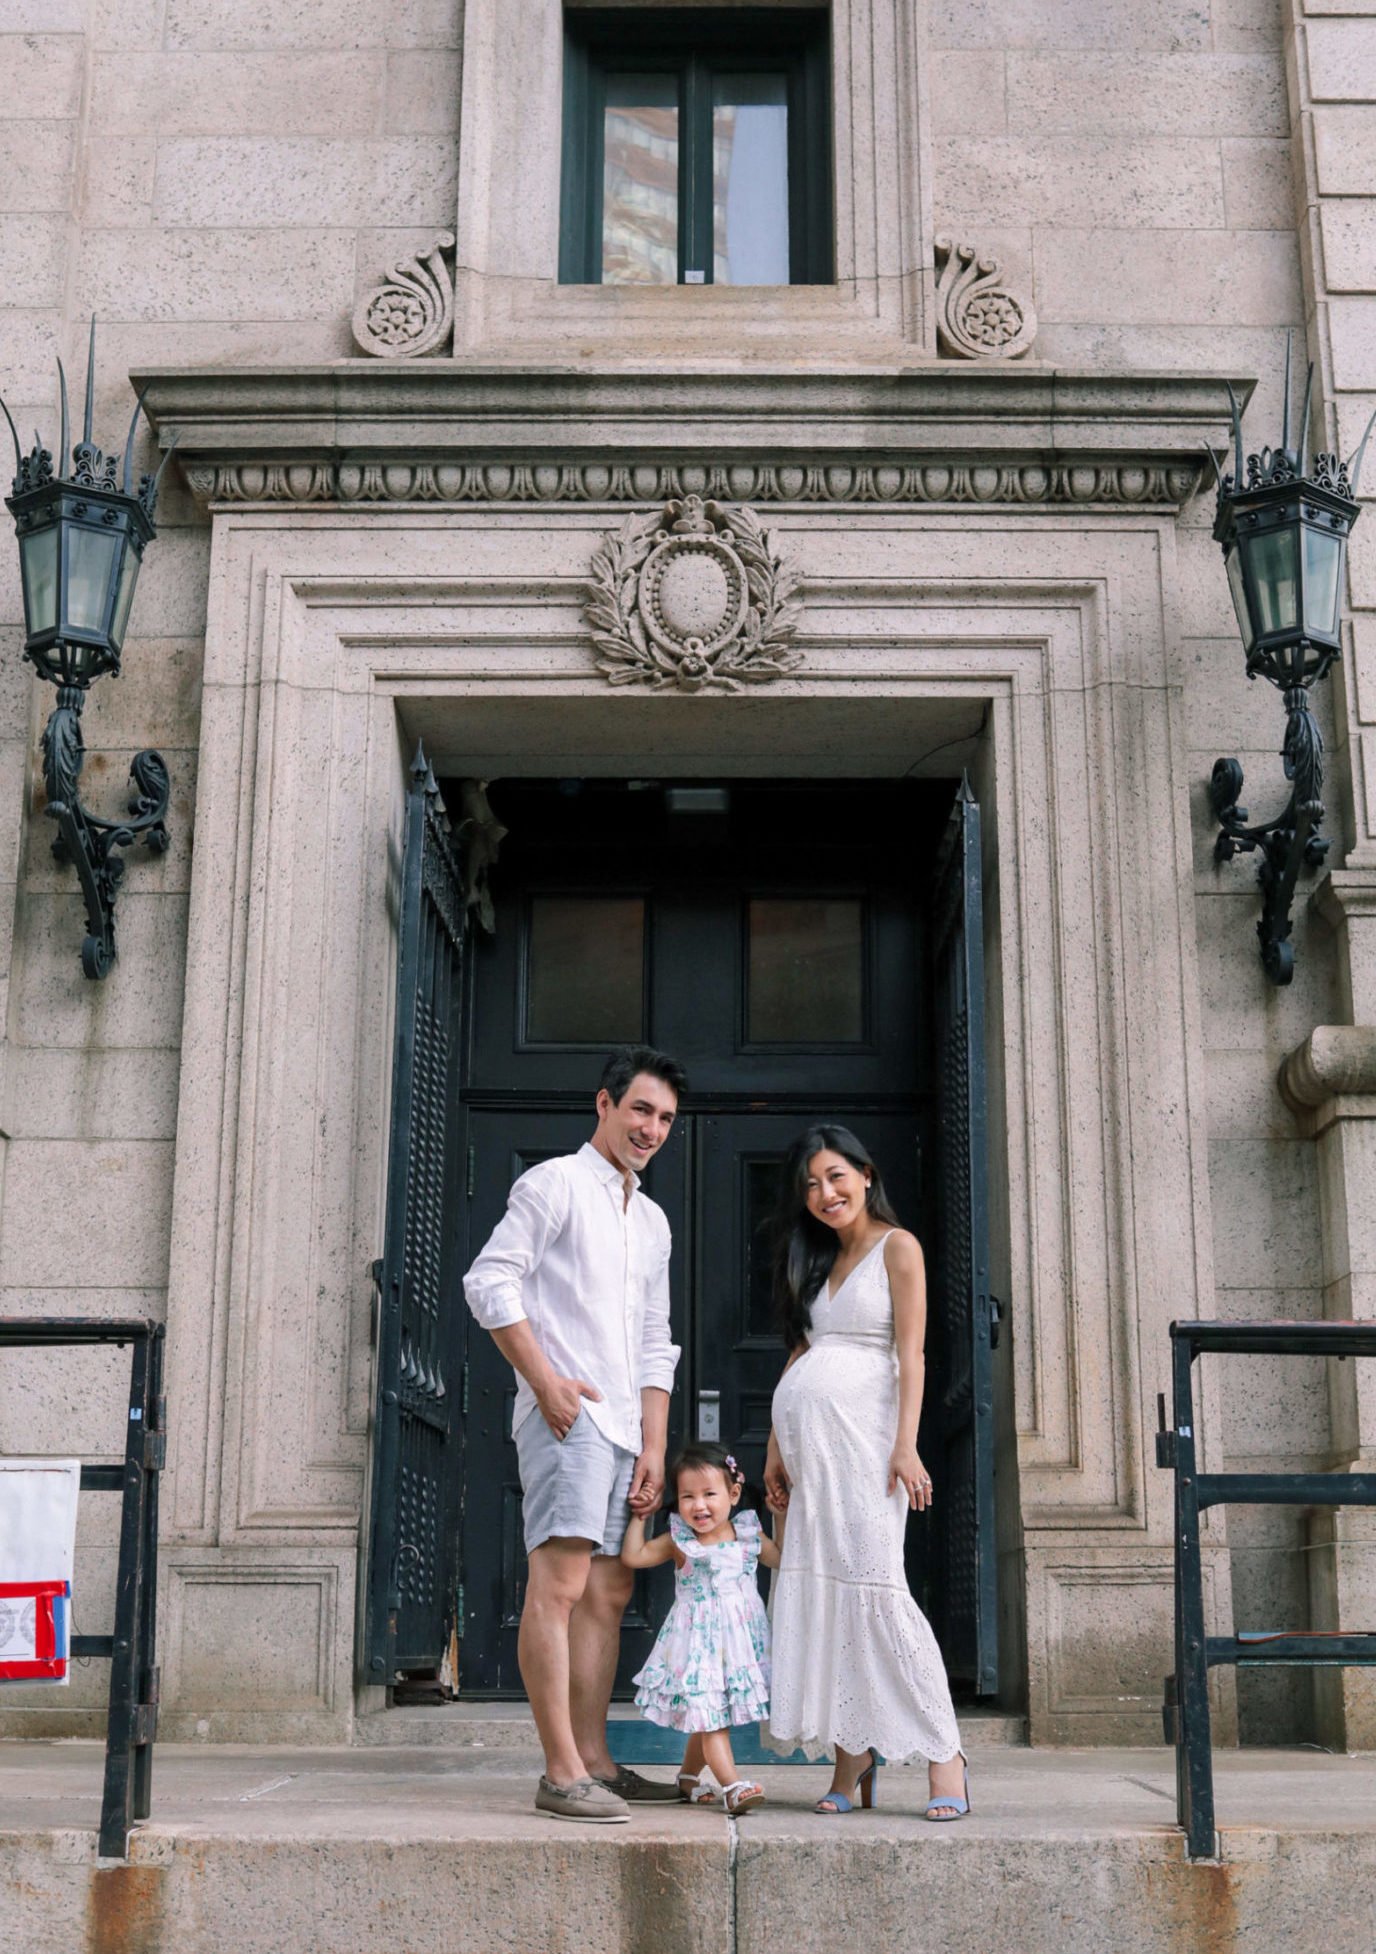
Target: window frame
[(694, 44)]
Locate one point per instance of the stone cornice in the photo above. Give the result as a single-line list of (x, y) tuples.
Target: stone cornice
[(940, 433)]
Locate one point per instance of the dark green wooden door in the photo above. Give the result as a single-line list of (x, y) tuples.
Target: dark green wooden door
[(782, 949), (960, 1402), (409, 1616)]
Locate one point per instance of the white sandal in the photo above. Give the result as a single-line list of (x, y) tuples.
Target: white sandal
[(742, 1796), (701, 1794)]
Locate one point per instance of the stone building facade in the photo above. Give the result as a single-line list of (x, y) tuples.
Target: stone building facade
[(999, 522)]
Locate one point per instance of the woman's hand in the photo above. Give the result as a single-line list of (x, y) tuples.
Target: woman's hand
[(776, 1479), (907, 1470)]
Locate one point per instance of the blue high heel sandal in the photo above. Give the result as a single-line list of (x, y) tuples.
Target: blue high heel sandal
[(836, 1804), (946, 1809)]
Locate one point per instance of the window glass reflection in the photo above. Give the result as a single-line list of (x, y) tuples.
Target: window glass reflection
[(750, 179), (640, 180), (585, 959), (805, 971)]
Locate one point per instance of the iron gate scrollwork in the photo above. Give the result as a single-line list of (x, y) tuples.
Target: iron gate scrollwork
[(965, 1586), (412, 1569)]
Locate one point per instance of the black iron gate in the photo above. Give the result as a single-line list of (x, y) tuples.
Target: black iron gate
[(412, 1576), (964, 1592)]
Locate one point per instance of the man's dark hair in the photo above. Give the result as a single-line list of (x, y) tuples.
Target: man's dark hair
[(627, 1062)]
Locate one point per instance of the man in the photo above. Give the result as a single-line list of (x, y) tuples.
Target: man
[(574, 1287)]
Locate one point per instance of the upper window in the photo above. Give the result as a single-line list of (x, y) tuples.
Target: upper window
[(697, 147)]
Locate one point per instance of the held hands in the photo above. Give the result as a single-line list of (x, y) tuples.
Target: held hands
[(907, 1470), (647, 1483), (560, 1400), (776, 1479)]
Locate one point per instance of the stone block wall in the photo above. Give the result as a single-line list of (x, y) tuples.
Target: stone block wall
[(1176, 182), (213, 184)]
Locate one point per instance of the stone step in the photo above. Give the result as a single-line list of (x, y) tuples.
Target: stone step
[(384, 1851), (510, 1727)]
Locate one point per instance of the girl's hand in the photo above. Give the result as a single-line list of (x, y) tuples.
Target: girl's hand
[(907, 1470), (776, 1479)]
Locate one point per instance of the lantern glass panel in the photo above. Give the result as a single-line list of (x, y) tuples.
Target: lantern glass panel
[(90, 564), (1275, 566), (39, 553), (128, 577), (1238, 587), (1323, 556)]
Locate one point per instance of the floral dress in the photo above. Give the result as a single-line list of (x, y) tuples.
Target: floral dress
[(709, 1667)]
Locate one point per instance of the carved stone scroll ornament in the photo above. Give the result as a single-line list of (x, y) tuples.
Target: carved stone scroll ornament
[(412, 311), (977, 316), (694, 598)]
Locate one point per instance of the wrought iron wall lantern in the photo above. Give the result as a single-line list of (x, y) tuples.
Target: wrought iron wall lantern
[(1283, 532), (81, 541)]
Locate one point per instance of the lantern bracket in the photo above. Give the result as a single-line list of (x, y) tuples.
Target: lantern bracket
[(83, 528), (1288, 843), (1282, 522), (89, 842)]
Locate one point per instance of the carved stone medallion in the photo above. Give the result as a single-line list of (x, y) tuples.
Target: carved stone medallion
[(695, 598)]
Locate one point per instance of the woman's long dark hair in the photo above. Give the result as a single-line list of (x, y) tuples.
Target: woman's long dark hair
[(805, 1248)]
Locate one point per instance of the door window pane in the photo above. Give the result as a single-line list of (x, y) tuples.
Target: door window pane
[(640, 180), (806, 971), (750, 179), (585, 960)]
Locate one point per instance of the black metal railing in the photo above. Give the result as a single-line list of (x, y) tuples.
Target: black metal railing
[(133, 1710), (1186, 1713)]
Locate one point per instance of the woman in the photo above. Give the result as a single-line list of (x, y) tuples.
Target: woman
[(856, 1667)]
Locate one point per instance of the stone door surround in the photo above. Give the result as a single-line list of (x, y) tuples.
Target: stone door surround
[(987, 563)]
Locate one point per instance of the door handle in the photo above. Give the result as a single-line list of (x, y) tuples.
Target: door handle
[(709, 1414)]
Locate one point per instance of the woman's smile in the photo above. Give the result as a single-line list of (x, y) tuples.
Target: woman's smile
[(836, 1190)]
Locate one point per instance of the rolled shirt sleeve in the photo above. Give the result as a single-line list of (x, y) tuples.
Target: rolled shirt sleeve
[(659, 1354), (534, 1215)]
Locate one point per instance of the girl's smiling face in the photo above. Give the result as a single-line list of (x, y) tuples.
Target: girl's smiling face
[(835, 1190), (705, 1497)]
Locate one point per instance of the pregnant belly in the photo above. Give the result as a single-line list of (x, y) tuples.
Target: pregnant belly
[(841, 1382)]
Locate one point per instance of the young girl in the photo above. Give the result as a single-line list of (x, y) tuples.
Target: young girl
[(709, 1667)]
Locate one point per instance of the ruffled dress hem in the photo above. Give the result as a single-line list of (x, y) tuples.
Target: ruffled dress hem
[(690, 1718), (820, 1750)]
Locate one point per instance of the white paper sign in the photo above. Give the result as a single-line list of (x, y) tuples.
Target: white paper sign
[(38, 1518)]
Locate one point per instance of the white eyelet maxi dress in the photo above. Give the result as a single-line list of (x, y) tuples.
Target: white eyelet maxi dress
[(855, 1661)]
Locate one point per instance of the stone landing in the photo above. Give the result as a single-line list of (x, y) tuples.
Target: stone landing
[(436, 1851)]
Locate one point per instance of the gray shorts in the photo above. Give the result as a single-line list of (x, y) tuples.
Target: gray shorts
[(574, 1488)]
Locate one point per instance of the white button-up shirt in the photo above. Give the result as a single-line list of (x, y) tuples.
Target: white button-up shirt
[(589, 1271)]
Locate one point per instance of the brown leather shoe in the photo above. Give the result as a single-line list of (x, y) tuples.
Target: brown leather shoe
[(636, 1790), (587, 1800)]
